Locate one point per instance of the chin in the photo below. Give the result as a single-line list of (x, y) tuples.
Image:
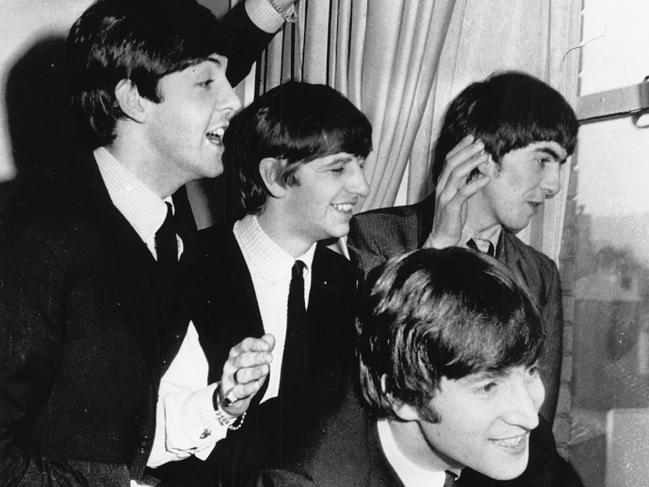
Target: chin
[(507, 470), (506, 474), (516, 227)]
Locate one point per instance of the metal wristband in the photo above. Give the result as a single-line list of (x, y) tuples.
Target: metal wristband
[(231, 422)]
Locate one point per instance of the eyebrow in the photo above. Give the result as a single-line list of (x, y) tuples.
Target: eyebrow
[(221, 60), (478, 377), (338, 160), (553, 154)]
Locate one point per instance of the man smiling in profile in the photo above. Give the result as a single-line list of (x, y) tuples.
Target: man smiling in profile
[(299, 150), (447, 354), (497, 159)]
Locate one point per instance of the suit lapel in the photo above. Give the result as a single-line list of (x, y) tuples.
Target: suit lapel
[(424, 213), (225, 308), (132, 255), (507, 252)]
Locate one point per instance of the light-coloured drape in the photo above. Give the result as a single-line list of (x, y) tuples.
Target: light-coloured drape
[(402, 61), (383, 55)]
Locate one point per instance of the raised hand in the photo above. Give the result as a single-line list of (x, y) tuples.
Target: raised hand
[(244, 373), (461, 178)]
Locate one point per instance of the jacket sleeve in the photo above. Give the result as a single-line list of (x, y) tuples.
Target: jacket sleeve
[(32, 300), (552, 313), (281, 478), (245, 41), (365, 252)]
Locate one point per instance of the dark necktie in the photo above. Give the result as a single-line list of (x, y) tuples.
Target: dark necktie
[(166, 245), (491, 251), (450, 479), (294, 360)]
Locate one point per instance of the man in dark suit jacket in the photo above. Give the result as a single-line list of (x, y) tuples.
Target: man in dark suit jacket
[(89, 319), (497, 159), (299, 150), (449, 386)]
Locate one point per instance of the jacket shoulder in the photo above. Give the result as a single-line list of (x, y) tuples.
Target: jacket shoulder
[(531, 256)]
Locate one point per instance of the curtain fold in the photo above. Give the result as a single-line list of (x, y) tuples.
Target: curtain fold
[(382, 55), (402, 61)]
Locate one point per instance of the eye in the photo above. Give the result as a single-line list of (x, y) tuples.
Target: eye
[(486, 388), (338, 169), (206, 83)]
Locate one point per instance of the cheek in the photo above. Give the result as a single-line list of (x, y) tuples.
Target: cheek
[(537, 392)]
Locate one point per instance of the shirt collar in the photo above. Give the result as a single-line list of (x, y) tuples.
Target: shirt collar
[(277, 263), (143, 209), (411, 475), (491, 234)]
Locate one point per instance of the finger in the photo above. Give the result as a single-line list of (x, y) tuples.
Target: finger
[(270, 340), (251, 374), (466, 156), (242, 392), (250, 344), (461, 177), (462, 144), (250, 359), (245, 391), (456, 203), (472, 187)]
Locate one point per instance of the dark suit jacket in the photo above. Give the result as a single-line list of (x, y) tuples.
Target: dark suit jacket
[(377, 235), (87, 324), (226, 312), (344, 450), (82, 310)]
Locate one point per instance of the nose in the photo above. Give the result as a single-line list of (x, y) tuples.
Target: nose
[(527, 396), (229, 101), (356, 182), (551, 182)]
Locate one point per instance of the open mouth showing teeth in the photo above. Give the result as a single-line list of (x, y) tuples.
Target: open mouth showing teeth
[(514, 442), (216, 136), (344, 207)]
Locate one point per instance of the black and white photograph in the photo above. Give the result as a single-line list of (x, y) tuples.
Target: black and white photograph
[(324, 243)]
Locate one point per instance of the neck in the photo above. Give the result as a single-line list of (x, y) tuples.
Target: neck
[(478, 219), (144, 165), (278, 228), (414, 446)]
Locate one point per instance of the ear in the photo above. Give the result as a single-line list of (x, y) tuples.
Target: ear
[(405, 412), (270, 170), (489, 167), (129, 100)]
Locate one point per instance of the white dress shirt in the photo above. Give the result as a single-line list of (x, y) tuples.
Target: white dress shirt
[(185, 420), (410, 474), (183, 385), (270, 269)]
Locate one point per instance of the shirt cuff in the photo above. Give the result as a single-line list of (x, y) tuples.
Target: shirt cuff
[(264, 15), (202, 427), (190, 427)]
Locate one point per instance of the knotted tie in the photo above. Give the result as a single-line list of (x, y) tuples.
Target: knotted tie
[(166, 245), (491, 251), (450, 479), (294, 360)]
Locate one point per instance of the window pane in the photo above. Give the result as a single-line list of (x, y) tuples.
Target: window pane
[(619, 56), (611, 342)]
